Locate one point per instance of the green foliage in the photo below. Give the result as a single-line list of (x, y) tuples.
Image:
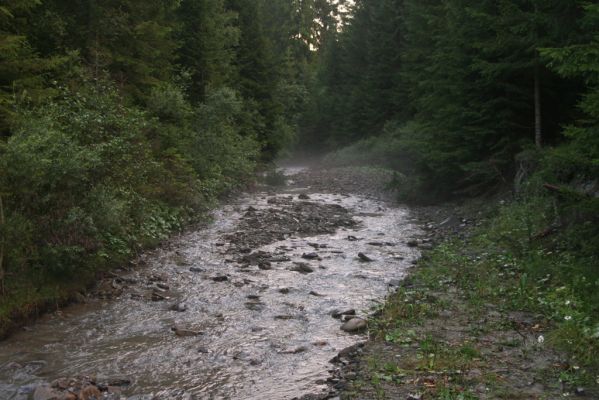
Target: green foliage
[(220, 152), (78, 168), (122, 120), (458, 76)]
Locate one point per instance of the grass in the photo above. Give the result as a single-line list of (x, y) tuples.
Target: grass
[(477, 310)]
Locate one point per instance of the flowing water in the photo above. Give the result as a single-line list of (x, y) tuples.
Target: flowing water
[(265, 334)]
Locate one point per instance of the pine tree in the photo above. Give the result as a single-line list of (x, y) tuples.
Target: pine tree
[(207, 39), (21, 68)]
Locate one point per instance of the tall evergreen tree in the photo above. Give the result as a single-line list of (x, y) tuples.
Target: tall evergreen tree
[(207, 38)]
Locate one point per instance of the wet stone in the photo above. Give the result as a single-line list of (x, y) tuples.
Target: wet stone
[(302, 268), (284, 317), (90, 392), (265, 266), (158, 296), (354, 325), (364, 257), (338, 314), (310, 256), (297, 350), (179, 307), (220, 278), (46, 393), (254, 305)]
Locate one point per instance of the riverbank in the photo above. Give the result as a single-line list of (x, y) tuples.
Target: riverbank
[(483, 315), (252, 306)]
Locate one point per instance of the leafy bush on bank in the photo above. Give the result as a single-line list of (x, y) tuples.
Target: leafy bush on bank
[(87, 179)]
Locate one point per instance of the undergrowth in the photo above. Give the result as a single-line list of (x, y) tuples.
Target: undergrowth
[(533, 255)]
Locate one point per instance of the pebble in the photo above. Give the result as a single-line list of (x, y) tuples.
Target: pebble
[(364, 257), (296, 350), (310, 256), (179, 307), (90, 392), (302, 268), (354, 325), (265, 265), (338, 314), (46, 393)]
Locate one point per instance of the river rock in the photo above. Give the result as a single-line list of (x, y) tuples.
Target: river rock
[(303, 196), (90, 392), (220, 278), (179, 307), (354, 325), (450, 222), (182, 332), (296, 350), (302, 268), (364, 257), (279, 259), (158, 295), (196, 269), (310, 256), (118, 382), (46, 393), (265, 265), (338, 314), (412, 243)]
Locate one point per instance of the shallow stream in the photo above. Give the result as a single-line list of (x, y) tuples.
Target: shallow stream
[(261, 333)]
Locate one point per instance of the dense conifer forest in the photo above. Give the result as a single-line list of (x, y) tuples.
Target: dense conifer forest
[(123, 121)]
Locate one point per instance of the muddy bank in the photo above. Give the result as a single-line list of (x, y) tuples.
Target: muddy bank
[(250, 307), (451, 331)]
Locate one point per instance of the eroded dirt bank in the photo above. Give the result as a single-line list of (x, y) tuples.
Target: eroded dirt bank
[(249, 308)]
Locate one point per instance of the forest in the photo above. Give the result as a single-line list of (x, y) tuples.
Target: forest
[(124, 121)]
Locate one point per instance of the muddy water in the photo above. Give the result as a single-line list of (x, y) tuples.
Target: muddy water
[(257, 341)]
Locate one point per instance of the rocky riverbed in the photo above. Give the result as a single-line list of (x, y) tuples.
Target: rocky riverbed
[(254, 306)]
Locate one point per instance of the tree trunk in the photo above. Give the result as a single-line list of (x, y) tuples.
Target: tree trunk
[(538, 112)]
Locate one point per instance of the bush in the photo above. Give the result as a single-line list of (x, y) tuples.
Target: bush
[(79, 176)]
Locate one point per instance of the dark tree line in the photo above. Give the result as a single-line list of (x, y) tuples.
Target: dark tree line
[(120, 120), (455, 89)]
